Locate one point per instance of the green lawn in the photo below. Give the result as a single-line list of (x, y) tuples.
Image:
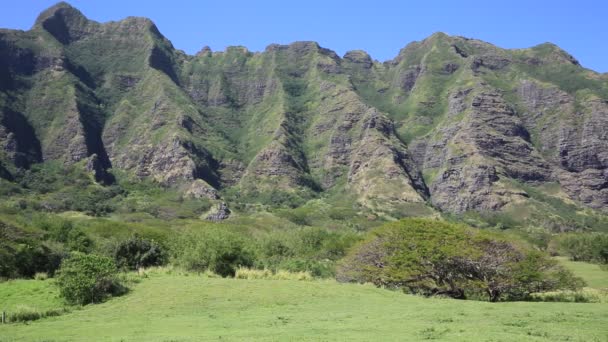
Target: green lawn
[(34, 294), (194, 308), (592, 273)]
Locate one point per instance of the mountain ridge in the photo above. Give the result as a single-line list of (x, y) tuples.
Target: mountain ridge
[(450, 124)]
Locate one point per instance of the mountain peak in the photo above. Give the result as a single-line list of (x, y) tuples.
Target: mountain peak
[(63, 21), (439, 36), (61, 9), (554, 53), (359, 57)]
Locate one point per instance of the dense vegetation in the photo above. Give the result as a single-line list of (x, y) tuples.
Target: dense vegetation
[(144, 224), (592, 247), (437, 258), (137, 252)]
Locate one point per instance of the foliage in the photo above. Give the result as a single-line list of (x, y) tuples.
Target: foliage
[(273, 198), (310, 249), (27, 259), (66, 188), (137, 252), (218, 250), (23, 254), (592, 247), (54, 188), (438, 258), (26, 314), (88, 278), (63, 231)]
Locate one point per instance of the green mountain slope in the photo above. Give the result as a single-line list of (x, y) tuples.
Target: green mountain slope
[(451, 124)]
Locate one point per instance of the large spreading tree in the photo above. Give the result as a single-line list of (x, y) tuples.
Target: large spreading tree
[(432, 257)]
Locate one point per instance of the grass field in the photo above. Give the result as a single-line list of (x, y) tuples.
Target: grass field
[(35, 294), (193, 308), (593, 275)]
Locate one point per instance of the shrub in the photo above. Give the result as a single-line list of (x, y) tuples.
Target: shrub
[(26, 313), (88, 278), (318, 268), (309, 249), (438, 258), (217, 250), (137, 252)]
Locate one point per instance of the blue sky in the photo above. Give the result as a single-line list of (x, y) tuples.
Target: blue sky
[(379, 27)]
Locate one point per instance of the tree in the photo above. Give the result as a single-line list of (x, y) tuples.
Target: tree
[(591, 247), (438, 258)]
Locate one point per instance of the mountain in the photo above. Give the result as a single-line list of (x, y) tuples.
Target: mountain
[(451, 124)]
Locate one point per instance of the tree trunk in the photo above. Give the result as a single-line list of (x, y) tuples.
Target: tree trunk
[(493, 295)]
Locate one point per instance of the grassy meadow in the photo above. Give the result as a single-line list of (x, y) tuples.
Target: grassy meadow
[(592, 273), (170, 305)]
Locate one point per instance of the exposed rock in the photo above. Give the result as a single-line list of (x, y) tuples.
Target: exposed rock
[(204, 52), (200, 189), (575, 142), (407, 79), (126, 82), (460, 51), (170, 163), (472, 155), (69, 144), (9, 142), (472, 188), (231, 172), (498, 133), (381, 171), (450, 68), (457, 101), (277, 164), (218, 213), (589, 186), (359, 57), (492, 62)]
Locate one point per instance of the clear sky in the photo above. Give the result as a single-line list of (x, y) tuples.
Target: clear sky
[(379, 27)]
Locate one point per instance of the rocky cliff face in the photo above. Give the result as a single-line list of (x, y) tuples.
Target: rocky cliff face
[(453, 123)]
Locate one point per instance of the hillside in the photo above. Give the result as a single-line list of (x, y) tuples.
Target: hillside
[(451, 124), (192, 308)]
